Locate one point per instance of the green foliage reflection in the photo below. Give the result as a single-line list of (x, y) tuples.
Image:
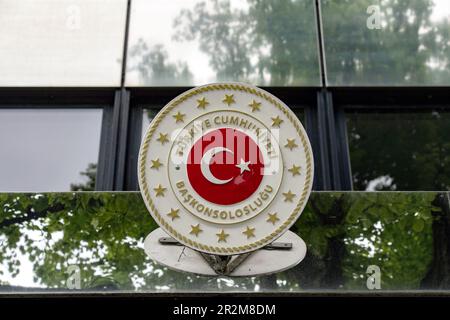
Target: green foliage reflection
[(274, 42), (103, 233)]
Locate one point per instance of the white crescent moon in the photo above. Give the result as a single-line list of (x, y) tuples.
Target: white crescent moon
[(206, 161)]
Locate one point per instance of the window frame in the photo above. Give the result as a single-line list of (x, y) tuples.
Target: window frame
[(324, 109), (378, 99), (73, 98), (157, 97)]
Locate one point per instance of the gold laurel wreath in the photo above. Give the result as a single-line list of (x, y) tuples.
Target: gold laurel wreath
[(215, 249)]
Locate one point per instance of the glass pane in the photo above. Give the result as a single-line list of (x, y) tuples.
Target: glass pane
[(61, 42), (387, 42), (348, 235), (49, 149), (400, 151), (147, 116), (191, 42)]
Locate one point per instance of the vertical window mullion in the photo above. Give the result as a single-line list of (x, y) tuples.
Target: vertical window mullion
[(100, 180), (343, 150), (321, 151), (122, 133), (134, 138)]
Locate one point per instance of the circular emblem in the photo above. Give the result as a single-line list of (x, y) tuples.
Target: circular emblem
[(225, 168)]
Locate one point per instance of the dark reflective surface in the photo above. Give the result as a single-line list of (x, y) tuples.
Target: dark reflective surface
[(44, 236), (400, 151)]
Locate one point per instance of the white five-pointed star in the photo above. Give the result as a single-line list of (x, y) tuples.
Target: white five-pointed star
[(243, 166)]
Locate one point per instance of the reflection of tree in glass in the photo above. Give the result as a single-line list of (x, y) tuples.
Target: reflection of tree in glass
[(57, 230), (153, 67), (273, 42), (409, 48), (397, 237), (90, 174), (411, 148), (347, 232), (103, 234)]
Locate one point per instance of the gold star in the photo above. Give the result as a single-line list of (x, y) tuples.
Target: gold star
[(160, 190), (288, 196), (277, 121), (229, 99), (202, 103), (195, 230), (255, 106), (222, 236), (179, 117), (250, 232), (291, 144), (163, 138), (156, 164), (295, 170), (272, 218), (173, 213)]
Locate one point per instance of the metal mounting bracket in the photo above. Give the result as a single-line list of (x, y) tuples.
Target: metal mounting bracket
[(225, 265)]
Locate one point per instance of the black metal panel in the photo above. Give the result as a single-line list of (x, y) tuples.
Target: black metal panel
[(56, 97), (163, 95), (134, 139), (122, 133), (387, 97), (333, 165), (333, 141), (110, 140), (322, 152), (102, 163)]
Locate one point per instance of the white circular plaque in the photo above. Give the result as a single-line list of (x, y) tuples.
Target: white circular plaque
[(225, 168), (260, 262)]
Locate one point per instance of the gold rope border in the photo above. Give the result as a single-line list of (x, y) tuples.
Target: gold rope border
[(208, 248)]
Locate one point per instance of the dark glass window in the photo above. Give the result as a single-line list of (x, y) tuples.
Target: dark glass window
[(191, 42), (388, 42), (400, 151)]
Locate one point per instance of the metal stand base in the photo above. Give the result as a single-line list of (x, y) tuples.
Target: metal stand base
[(224, 265), (287, 252)]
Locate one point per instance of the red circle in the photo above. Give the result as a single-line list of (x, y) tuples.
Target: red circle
[(242, 150)]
